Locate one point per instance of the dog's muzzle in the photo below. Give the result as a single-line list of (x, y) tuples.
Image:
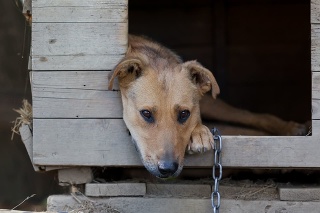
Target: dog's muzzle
[(163, 169)]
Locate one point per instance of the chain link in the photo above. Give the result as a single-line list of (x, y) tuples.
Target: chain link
[(216, 170)]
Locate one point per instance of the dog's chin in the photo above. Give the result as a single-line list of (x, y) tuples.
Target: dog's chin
[(153, 169)]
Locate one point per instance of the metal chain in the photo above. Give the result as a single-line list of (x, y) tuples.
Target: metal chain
[(216, 170)]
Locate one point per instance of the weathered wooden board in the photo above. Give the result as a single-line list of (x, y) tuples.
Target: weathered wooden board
[(315, 11), (78, 35), (82, 141), (50, 39), (77, 3), (79, 11), (99, 142), (315, 47), (57, 46), (74, 176), (75, 62), (74, 94), (82, 80), (302, 193), (177, 205), (84, 94), (115, 189), (316, 95), (76, 103)]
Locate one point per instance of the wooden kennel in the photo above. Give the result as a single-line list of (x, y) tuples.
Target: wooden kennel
[(77, 122)]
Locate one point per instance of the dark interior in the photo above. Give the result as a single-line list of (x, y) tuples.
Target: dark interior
[(259, 50)]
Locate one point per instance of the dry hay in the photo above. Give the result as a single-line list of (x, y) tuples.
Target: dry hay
[(87, 205), (249, 190), (25, 118)]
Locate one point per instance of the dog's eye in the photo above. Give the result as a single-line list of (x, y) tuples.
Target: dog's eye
[(183, 116), (147, 115)]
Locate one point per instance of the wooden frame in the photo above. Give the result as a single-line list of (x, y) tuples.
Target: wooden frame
[(77, 122)]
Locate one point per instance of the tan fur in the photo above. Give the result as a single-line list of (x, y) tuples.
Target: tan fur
[(153, 78)]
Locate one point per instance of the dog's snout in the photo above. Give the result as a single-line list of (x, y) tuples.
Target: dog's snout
[(167, 168)]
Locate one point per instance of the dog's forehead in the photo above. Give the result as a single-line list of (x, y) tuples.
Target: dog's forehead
[(168, 87)]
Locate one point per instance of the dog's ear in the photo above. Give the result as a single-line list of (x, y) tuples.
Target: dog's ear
[(127, 66), (202, 77)]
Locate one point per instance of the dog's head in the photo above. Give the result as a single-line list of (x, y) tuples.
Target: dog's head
[(161, 109)]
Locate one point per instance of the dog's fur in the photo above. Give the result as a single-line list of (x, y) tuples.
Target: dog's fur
[(161, 95)]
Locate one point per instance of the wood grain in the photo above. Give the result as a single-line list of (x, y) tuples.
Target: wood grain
[(61, 46), (84, 94), (179, 204), (77, 3), (315, 11), (102, 142), (78, 35), (74, 94), (315, 47), (79, 39), (79, 11), (75, 62)]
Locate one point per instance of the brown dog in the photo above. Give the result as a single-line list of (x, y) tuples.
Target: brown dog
[(161, 95)]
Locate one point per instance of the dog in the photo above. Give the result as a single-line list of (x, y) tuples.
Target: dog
[(162, 97)]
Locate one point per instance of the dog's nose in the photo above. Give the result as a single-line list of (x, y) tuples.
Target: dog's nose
[(167, 168)]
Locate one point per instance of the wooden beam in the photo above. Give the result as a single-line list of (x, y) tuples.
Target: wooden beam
[(315, 47), (99, 46), (50, 39), (115, 189), (78, 3), (75, 62), (74, 94), (177, 205), (315, 11), (94, 11), (299, 193), (78, 35), (101, 142)]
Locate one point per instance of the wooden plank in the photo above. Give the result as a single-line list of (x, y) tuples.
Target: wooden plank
[(79, 14), (315, 11), (79, 11), (294, 193), (83, 80), (74, 94), (77, 3), (316, 85), (315, 47), (26, 137), (241, 190), (177, 189), (59, 45), (82, 142), (49, 39), (115, 189), (74, 176), (101, 142), (177, 205), (316, 95), (76, 103), (75, 62)]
